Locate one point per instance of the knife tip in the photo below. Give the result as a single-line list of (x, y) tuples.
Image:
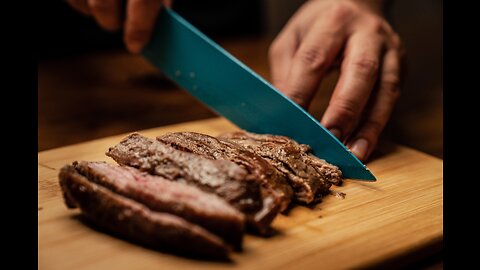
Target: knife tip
[(362, 175)]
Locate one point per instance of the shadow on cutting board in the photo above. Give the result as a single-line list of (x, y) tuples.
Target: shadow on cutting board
[(383, 149), (422, 258)]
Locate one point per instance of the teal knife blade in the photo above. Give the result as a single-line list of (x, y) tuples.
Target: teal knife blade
[(231, 89)]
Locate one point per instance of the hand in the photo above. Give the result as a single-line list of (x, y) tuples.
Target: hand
[(354, 33), (137, 20)]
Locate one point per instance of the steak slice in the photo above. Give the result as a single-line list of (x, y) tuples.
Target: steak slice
[(309, 176), (273, 182), (136, 222), (224, 178), (161, 195)]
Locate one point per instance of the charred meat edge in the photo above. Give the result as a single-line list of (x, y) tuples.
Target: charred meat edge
[(222, 177), (161, 195), (135, 221)]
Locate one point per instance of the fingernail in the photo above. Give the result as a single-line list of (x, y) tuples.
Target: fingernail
[(360, 148), (336, 132)]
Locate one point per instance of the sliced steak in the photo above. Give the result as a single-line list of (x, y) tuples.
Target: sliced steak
[(224, 178), (161, 195), (135, 221), (273, 182), (309, 176)]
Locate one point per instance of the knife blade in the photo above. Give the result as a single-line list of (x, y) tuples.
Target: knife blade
[(231, 89)]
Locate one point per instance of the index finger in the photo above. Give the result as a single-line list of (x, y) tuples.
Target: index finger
[(140, 20), (355, 84), (313, 59)]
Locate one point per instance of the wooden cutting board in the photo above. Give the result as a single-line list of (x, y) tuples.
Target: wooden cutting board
[(397, 219)]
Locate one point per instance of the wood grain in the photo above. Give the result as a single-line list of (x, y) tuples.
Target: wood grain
[(376, 222)]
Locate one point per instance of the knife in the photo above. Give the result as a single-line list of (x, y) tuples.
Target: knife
[(231, 89)]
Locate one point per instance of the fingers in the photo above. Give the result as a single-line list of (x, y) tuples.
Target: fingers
[(280, 56), (357, 78), (107, 13), (141, 16), (365, 139), (283, 48), (80, 5), (139, 22), (312, 60)]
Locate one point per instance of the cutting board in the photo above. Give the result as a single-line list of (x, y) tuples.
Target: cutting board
[(392, 221)]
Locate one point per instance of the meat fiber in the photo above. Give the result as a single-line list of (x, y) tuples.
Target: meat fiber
[(273, 182), (224, 178), (309, 176)]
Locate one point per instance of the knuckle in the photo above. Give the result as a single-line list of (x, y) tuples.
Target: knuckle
[(390, 84), (298, 97), (346, 110), (313, 58), (367, 66), (378, 25), (391, 80), (341, 10)]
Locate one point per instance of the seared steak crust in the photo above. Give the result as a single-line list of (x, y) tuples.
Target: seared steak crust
[(161, 195), (224, 178), (134, 220), (273, 182), (309, 176)]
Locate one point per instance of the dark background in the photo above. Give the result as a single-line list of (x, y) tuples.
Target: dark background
[(65, 31)]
